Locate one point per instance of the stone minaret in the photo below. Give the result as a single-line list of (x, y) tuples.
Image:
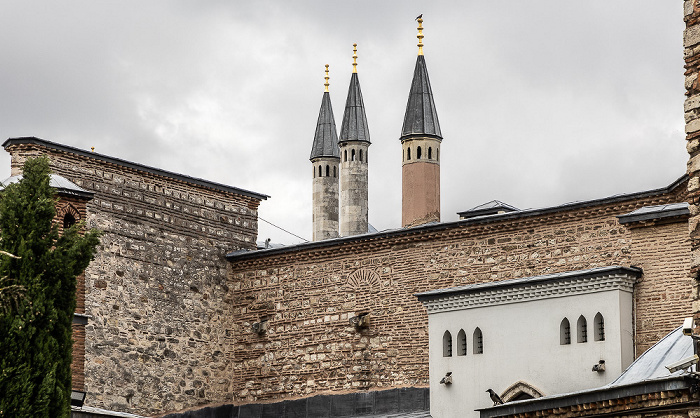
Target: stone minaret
[(420, 140), (354, 143), (324, 159)]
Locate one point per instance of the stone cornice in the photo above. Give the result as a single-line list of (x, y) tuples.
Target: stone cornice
[(525, 290)]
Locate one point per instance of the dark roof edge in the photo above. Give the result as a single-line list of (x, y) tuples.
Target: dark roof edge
[(674, 213), (435, 227), (588, 396), (419, 136), (525, 281), (132, 165)]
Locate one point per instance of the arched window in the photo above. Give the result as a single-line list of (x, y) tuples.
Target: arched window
[(581, 330), (478, 341), (68, 221), (314, 170), (345, 158), (360, 155), (447, 344), (437, 154), (430, 153), (320, 171), (408, 153), (352, 157), (418, 154), (334, 172), (462, 343), (564, 332), (328, 171), (599, 324), (367, 156)]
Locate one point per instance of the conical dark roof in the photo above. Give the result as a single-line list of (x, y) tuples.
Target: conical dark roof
[(326, 138), (421, 117), (354, 126)]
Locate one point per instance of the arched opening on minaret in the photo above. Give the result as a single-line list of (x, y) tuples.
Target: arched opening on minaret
[(367, 156), (352, 155), (360, 155), (430, 153), (334, 172), (408, 154), (314, 170), (419, 153), (328, 171), (320, 171), (437, 154), (346, 156)]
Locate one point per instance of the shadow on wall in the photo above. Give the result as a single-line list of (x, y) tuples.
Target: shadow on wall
[(358, 404)]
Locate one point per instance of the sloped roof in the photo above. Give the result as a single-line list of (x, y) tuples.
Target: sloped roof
[(61, 184), (489, 208), (326, 137), (648, 213), (354, 126), (421, 117)]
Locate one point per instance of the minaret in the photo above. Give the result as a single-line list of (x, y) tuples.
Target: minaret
[(324, 160), (354, 144), (420, 140)]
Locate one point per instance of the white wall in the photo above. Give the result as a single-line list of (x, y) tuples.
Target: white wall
[(521, 343)]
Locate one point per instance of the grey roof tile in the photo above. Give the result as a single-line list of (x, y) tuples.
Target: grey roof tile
[(421, 117), (354, 126), (326, 137)]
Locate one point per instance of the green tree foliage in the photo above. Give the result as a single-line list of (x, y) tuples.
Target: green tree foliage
[(35, 332)]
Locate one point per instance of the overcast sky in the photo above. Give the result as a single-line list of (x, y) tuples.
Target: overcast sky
[(540, 102)]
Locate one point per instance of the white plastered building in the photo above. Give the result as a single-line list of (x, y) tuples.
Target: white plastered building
[(528, 337)]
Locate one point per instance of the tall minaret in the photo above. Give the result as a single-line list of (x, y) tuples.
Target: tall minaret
[(354, 144), (420, 140), (324, 159)]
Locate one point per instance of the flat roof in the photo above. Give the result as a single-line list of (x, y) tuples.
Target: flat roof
[(132, 165)]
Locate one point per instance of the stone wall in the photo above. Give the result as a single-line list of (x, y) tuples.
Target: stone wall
[(159, 337), (691, 44), (308, 293)]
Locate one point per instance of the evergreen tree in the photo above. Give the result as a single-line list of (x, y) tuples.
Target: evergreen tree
[(35, 332)]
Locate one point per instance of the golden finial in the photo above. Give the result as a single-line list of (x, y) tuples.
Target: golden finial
[(93, 149), (354, 58), (420, 35), (326, 84)]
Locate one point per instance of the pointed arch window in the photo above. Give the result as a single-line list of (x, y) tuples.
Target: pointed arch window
[(367, 156), (360, 155), (447, 344), (320, 171), (461, 343), (564, 332), (408, 153), (599, 324), (352, 155), (314, 170), (581, 330), (437, 154), (478, 341), (419, 153), (335, 174), (68, 220), (430, 153), (328, 171)]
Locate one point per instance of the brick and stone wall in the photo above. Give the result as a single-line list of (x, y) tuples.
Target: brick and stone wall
[(691, 44), (159, 337), (307, 294)]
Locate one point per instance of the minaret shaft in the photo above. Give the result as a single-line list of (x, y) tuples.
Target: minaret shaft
[(324, 162)]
